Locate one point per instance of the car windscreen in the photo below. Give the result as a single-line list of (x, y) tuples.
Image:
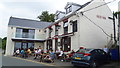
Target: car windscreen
[(84, 50)]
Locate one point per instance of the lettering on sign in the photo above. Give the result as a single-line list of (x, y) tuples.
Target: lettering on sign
[(100, 17)]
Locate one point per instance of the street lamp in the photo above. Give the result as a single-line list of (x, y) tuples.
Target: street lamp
[(113, 18)]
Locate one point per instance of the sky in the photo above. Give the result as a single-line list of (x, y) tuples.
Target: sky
[(30, 9)]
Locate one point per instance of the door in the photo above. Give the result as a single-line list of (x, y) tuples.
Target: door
[(66, 43), (102, 55)]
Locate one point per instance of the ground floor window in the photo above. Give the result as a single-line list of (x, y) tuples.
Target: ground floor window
[(24, 45), (49, 44), (66, 43)]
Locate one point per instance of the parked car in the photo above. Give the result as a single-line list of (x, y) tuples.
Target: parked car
[(89, 57)]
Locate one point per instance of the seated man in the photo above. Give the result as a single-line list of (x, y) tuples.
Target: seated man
[(48, 58)]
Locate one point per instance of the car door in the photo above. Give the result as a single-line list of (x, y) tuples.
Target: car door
[(95, 55), (102, 55)]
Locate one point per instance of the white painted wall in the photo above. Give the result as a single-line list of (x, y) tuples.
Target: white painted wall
[(89, 35), (10, 43), (39, 34), (37, 44)]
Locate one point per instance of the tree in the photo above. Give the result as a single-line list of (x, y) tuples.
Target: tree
[(45, 16), (4, 43)]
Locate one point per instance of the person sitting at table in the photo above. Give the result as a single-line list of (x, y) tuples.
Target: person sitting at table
[(57, 52), (29, 52), (61, 54), (35, 53), (48, 58)]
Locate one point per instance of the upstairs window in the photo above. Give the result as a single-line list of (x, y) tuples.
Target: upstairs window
[(74, 26), (50, 31), (65, 27), (56, 30), (69, 9)]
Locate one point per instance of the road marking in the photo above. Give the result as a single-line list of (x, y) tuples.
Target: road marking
[(33, 61)]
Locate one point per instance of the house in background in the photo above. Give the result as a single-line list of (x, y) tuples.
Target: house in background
[(25, 33), (79, 27)]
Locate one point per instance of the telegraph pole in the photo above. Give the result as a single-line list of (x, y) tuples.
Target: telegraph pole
[(114, 28)]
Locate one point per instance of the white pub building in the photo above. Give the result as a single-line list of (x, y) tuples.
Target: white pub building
[(80, 25)]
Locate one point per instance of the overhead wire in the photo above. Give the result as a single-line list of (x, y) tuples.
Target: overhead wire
[(98, 6), (98, 26), (93, 21)]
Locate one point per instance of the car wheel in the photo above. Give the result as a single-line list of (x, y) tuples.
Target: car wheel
[(93, 64)]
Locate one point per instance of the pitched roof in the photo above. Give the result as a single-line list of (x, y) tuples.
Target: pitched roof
[(27, 23), (73, 13)]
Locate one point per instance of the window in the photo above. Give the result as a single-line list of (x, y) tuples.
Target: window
[(11, 27), (31, 46), (56, 30), (18, 32), (24, 45), (101, 52), (25, 33), (50, 31), (67, 44), (75, 26), (65, 27), (31, 33), (69, 9), (17, 45)]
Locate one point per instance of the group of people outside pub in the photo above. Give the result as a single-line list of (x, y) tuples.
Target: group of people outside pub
[(43, 56)]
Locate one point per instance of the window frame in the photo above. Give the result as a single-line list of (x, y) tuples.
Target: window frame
[(69, 9), (75, 26)]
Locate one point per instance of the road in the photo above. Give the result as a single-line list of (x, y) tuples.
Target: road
[(12, 62)]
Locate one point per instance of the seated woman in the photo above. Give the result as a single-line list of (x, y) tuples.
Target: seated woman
[(29, 52)]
